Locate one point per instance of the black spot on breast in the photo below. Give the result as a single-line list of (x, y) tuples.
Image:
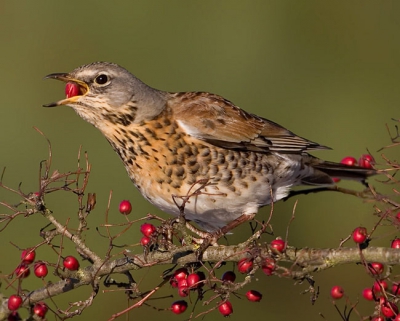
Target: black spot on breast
[(159, 180), (168, 171), (194, 168), (142, 152), (221, 159), (132, 151), (166, 122), (233, 164), (176, 184), (191, 161), (228, 177), (213, 169), (133, 134), (179, 171), (150, 132), (205, 152), (123, 119), (132, 108)]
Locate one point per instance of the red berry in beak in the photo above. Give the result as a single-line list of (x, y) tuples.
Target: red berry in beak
[(71, 90)]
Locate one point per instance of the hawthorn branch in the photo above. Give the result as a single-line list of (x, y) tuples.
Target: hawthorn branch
[(307, 260)]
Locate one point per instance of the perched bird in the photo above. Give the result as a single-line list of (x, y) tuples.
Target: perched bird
[(196, 149)]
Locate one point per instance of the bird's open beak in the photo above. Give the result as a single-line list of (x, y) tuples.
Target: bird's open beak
[(74, 89)]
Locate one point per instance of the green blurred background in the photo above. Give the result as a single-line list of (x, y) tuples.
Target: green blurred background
[(327, 70)]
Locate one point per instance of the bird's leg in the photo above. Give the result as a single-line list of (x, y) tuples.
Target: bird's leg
[(196, 231), (211, 238), (236, 222), (193, 192)]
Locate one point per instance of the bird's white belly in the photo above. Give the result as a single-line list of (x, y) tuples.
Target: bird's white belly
[(213, 209)]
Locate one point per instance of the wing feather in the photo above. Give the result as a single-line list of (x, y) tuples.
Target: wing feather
[(218, 121)]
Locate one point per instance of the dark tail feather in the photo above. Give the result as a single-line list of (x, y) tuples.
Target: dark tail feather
[(326, 171)]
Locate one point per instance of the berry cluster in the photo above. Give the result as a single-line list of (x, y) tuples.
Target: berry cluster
[(185, 282), (365, 161), (40, 269), (378, 292)]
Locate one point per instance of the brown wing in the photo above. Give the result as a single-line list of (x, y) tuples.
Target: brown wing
[(218, 121)]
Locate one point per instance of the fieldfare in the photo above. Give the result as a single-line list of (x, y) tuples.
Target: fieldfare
[(196, 148)]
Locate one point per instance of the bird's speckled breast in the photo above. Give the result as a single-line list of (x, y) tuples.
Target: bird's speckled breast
[(163, 162)]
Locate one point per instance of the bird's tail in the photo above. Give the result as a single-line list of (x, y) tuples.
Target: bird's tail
[(325, 171)]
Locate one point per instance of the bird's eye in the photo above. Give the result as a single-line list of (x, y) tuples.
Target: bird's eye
[(101, 79)]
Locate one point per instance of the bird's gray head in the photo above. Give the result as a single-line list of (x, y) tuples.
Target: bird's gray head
[(102, 91)]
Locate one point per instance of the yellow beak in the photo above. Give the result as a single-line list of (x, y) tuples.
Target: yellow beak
[(83, 89)]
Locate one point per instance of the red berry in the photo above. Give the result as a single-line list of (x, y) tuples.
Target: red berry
[(350, 161), (183, 289), (14, 316), (389, 309), (182, 283), (245, 265), (278, 244), (269, 266), (179, 307), (71, 263), (145, 240), (379, 285), (225, 308), (396, 318), (22, 271), (180, 274), (71, 90), (395, 244), (376, 268), (337, 292), (267, 271), (40, 269), (14, 302), (254, 296), (366, 161), (28, 256), (173, 282), (368, 294), (336, 179), (360, 235), (228, 276), (396, 289), (147, 229), (125, 207), (193, 280), (40, 309)]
